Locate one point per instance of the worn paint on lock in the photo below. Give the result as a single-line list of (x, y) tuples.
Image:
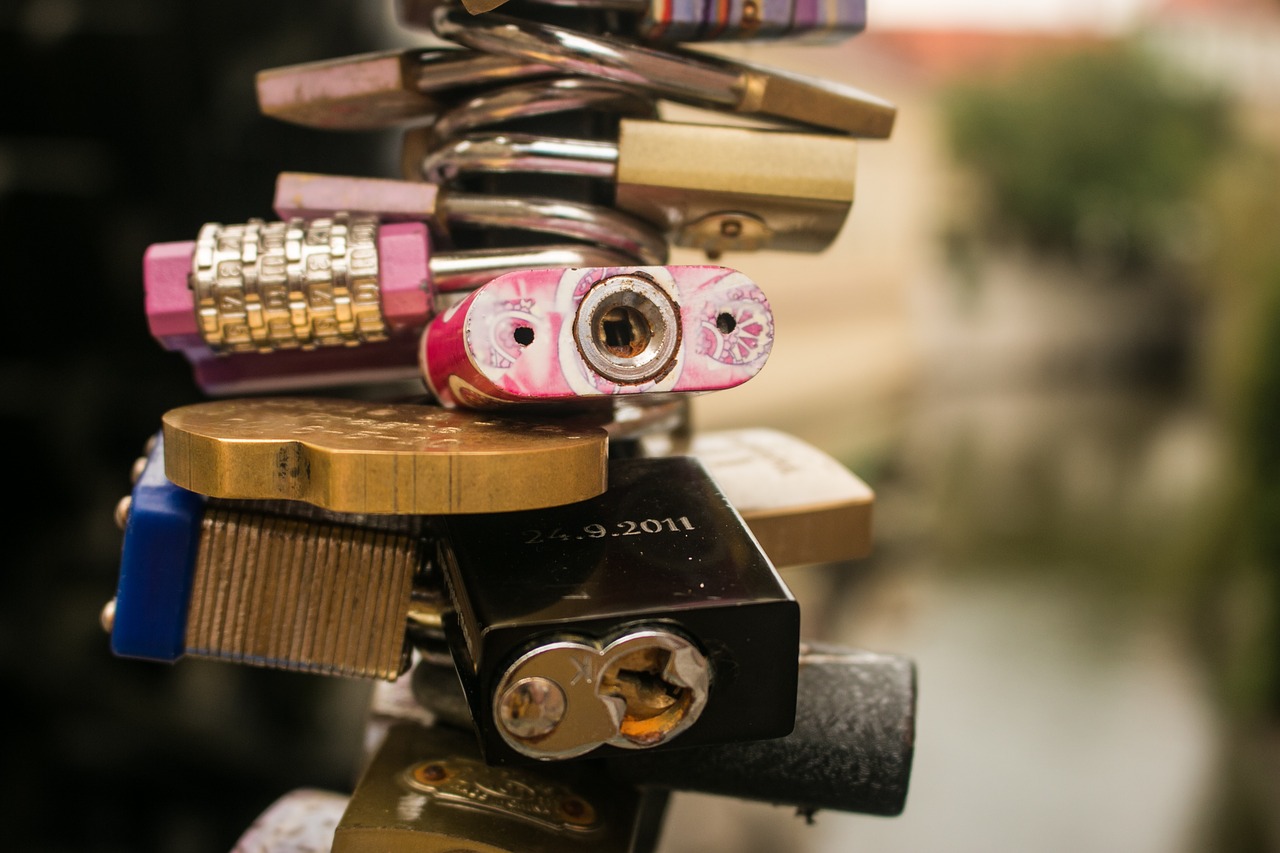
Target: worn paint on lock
[(516, 340)]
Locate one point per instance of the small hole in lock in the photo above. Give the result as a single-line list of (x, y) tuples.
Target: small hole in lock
[(523, 335), (624, 332), (725, 323)]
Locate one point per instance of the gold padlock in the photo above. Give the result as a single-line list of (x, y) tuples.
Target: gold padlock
[(427, 788), (357, 456)]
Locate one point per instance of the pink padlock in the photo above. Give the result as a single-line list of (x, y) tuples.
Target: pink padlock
[(591, 334), (329, 296)]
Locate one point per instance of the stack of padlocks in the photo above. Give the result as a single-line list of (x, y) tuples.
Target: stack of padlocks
[(569, 596)]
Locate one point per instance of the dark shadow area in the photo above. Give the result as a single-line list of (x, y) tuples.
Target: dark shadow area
[(130, 122)]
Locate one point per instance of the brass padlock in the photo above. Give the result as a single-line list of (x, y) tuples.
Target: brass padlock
[(289, 533), (713, 187), (802, 504), (357, 456), (428, 788)]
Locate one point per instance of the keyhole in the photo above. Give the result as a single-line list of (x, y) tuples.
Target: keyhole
[(654, 706), (624, 332)]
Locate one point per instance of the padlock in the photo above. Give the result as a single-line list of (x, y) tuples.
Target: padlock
[(379, 89), (578, 337), (851, 749), (526, 100), (289, 532), (647, 618), (427, 788), (292, 289), (457, 99), (311, 196), (267, 586), (697, 79), (711, 187), (803, 505), (360, 456), (666, 22)]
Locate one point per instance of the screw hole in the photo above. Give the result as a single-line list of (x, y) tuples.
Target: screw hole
[(523, 335), (725, 323)]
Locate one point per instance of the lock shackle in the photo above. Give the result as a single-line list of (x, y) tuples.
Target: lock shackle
[(381, 89), (456, 274), (542, 97), (694, 78), (308, 195), (662, 72), (609, 230), (504, 153)]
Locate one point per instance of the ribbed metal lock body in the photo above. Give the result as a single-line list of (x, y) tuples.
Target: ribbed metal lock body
[(279, 584), (659, 558), (302, 594)]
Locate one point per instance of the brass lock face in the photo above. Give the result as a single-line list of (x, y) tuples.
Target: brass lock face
[(720, 188), (803, 505), (370, 457), (426, 788)]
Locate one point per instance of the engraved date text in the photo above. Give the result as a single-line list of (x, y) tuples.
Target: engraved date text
[(600, 531)]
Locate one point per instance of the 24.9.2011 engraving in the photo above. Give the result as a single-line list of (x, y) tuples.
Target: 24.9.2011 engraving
[(621, 528)]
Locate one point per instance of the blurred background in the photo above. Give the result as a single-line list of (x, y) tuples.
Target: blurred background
[(1048, 337)]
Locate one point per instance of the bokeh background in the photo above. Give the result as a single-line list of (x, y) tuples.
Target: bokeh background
[(1048, 337)]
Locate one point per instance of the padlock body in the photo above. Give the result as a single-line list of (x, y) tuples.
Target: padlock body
[(662, 548), (544, 336), (427, 788), (722, 188)]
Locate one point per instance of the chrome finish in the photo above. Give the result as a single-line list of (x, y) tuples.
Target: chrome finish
[(519, 152), (603, 226), (628, 329), (456, 275), (542, 97), (694, 78), (637, 692)]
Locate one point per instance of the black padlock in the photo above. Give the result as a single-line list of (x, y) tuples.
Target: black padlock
[(644, 618)]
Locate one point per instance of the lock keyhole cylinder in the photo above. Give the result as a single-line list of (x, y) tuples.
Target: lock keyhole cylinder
[(568, 697), (628, 329)]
